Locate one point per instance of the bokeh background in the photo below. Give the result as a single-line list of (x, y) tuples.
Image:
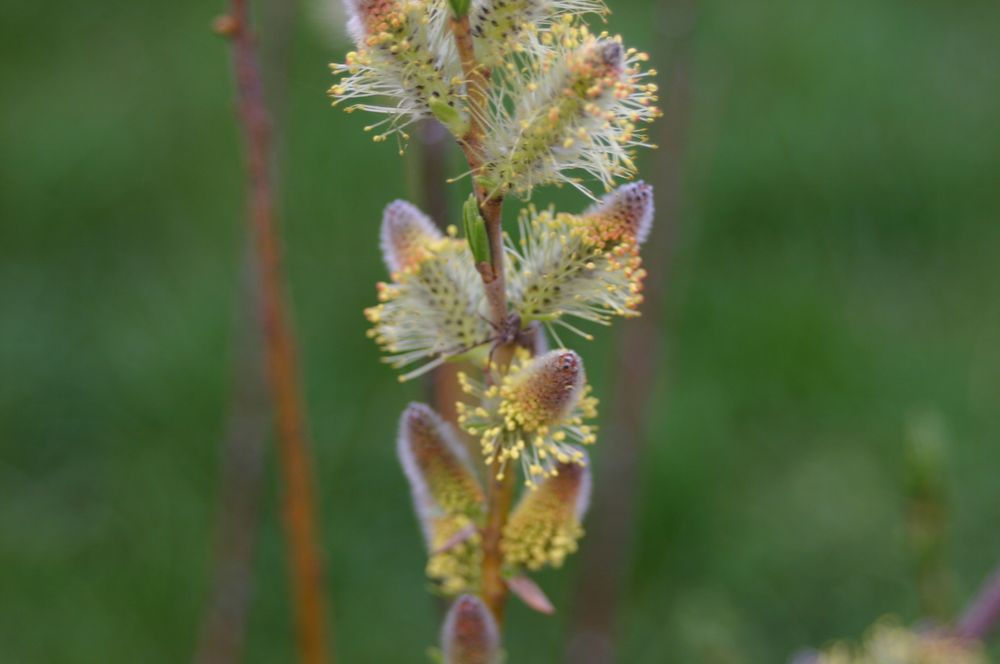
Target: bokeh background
[(834, 285)]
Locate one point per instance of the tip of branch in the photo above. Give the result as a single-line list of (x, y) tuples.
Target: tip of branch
[(226, 26)]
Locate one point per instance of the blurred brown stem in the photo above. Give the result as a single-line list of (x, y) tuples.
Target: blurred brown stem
[(223, 629), (927, 514), (494, 588), (611, 526), (300, 523), (427, 176)]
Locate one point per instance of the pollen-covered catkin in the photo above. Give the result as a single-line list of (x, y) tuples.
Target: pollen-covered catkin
[(542, 392), (546, 525), (435, 307), (583, 266), (456, 555), (502, 28), (535, 416), (436, 463), (578, 107), (406, 235), (624, 215), (448, 498), (404, 56)]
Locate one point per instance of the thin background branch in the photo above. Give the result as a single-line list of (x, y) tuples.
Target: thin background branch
[(222, 638), (223, 629), (927, 506), (607, 551), (295, 463), (428, 176)]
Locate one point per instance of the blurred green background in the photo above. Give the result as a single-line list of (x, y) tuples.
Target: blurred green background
[(836, 275)]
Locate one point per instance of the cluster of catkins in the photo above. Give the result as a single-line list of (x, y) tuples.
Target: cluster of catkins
[(562, 101), (555, 103), (531, 420)]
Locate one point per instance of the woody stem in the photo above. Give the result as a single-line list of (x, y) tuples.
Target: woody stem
[(494, 590), (490, 203)]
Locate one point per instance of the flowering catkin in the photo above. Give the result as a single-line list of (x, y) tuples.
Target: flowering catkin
[(583, 266), (447, 497), (546, 525), (534, 416), (406, 235), (402, 55), (578, 106), (435, 307), (504, 27)]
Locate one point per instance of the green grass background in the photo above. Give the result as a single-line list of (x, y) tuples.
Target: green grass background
[(836, 272)]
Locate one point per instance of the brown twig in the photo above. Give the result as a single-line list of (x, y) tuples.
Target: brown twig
[(477, 79), (983, 614), (427, 175), (490, 202), (300, 525), (491, 209), (494, 587), (494, 283), (611, 526)]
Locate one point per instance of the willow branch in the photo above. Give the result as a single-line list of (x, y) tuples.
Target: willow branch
[(501, 492), (299, 511), (490, 203), (491, 208)]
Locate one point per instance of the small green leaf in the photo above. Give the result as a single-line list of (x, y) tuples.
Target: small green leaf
[(487, 183), (459, 7), (448, 116), (475, 231)]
